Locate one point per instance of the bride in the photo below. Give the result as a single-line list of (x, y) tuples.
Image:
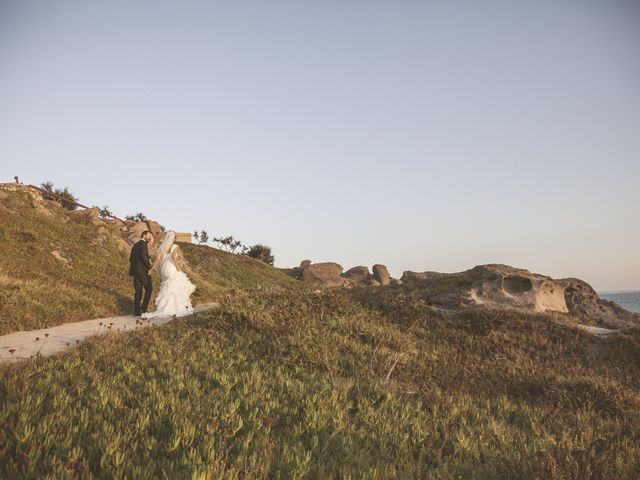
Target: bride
[(175, 287)]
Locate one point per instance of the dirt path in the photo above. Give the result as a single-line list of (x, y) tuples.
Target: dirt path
[(47, 341)]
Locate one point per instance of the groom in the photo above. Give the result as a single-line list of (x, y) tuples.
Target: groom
[(139, 269)]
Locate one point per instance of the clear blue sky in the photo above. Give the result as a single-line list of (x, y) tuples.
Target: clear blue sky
[(422, 135)]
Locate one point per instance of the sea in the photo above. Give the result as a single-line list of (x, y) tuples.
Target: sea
[(628, 300)]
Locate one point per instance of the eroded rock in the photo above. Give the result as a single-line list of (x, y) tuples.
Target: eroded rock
[(381, 274), (326, 274), (358, 276), (503, 286)]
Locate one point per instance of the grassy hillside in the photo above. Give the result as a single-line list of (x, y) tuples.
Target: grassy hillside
[(334, 384), (284, 381), (38, 290)]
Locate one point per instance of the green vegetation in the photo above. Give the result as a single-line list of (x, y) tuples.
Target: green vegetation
[(295, 384), (55, 269), (61, 195), (87, 280), (219, 273), (262, 253), (286, 381)]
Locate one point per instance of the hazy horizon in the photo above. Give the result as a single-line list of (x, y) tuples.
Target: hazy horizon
[(424, 136)]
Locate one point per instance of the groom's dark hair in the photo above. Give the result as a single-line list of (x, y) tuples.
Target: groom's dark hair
[(144, 233)]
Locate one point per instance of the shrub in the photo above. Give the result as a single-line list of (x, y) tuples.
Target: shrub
[(138, 217), (63, 196), (104, 211), (204, 237), (228, 244), (261, 252)]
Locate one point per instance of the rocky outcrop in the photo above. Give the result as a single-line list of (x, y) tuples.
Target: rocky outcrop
[(582, 300), (358, 276), (327, 274), (381, 274), (134, 231), (502, 286), (89, 216), (516, 287)]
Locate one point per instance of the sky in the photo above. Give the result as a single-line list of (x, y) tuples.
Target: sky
[(422, 135)]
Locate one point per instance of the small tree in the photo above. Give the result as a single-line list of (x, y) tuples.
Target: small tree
[(204, 237), (261, 252), (138, 217), (196, 236), (63, 196), (104, 211), (228, 244)]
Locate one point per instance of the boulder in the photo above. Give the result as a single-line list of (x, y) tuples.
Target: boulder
[(156, 231), (135, 231), (327, 274), (358, 275), (101, 237), (381, 274), (60, 257), (304, 264), (297, 271), (89, 216)]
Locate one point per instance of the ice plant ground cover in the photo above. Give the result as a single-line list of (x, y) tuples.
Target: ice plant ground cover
[(331, 384)]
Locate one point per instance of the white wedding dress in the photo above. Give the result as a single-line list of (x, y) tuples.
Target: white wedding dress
[(175, 287)]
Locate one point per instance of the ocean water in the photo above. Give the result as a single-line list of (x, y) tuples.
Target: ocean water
[(628, 300)]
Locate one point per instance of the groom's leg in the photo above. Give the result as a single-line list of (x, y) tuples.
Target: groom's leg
[(146, 281), (137, 285)]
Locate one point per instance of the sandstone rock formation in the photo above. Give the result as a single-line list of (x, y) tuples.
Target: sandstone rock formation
[(90, 216), (304, 264), (358, 275), (135, 231), (327, 274), (502, 286), (381, 274)]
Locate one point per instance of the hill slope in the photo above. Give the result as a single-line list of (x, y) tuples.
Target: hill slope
[(329, 385), (284, 381), (58, 267)]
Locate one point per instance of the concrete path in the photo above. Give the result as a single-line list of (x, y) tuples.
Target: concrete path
[(597, 331), (47, 341)]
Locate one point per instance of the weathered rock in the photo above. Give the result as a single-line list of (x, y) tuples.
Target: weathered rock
[(297, 271), (358, 276), (304, 264), (60, 257), (582, 300), (502, 286), (516, 287), (412, 279), (327, 274), (381, 274), (101, 237), (156, 231), (89, 216), (135, 231)]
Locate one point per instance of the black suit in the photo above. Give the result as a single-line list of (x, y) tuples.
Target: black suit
[(139, 266)]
